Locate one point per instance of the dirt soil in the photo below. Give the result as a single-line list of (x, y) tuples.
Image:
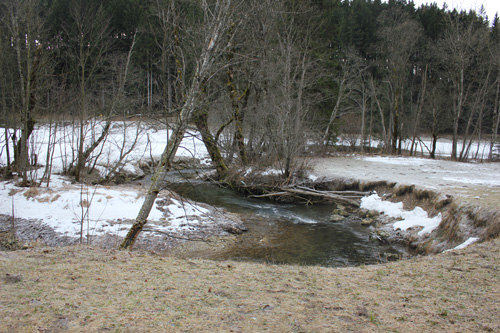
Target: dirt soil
[(475, 183)]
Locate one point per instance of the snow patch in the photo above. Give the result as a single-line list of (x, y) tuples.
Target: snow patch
[(466, 180), (272, 172), (468, 242), (414, 218), (399, 160), (63, 206), (312, 177)]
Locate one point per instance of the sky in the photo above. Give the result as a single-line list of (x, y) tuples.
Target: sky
[(491, 6)]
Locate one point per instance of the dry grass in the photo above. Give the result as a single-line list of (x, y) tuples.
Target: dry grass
[(85, 289)]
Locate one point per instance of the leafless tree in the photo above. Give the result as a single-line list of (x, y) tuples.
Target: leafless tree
[(351, 68), (493, 50), (216, 22), (460, 48), (26, 32), (399, 35)]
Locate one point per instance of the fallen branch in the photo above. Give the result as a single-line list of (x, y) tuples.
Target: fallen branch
[(343, 193), (268, 195), (327, 196), (175, 237), (351, 198)]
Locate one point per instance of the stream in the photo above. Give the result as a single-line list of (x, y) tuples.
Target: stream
[(289, 233)]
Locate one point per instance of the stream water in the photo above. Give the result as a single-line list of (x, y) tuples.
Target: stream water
[(289, 233)]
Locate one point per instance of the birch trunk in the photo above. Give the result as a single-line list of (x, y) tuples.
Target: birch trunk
[(217, 24), (496, 120)]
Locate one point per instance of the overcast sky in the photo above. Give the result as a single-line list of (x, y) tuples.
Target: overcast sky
[(491, 6)]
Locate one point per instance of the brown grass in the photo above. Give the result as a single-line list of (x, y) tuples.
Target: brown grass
[(32, 192), (83, 289)]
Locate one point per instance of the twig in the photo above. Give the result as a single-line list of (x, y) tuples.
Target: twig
[(343, 193), (267, 195), (176, 237)]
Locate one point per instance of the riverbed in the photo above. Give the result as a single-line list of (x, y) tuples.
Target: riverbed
[(288, 233)]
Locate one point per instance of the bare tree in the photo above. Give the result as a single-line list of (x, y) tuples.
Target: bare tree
[(459, 49), (494, 46), (165, 30), (88, 41), (420, 106), (25, 32), (351, 68), (216, 22), (399, 35)]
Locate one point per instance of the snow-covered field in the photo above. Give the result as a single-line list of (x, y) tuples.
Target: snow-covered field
[(72, 209), (474, 182), (478, 150), (127, 144)]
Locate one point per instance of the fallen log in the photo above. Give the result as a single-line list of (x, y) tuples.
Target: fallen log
[(329, 197), (359, 194), (268, 195), (352, 198)]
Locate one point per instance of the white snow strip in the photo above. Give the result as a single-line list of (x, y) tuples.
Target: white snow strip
[(399, 160), (489, 181), (413, 218), (312, 177), (273, 172), (468, 242)]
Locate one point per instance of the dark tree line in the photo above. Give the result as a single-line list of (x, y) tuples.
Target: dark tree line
[(281, 73)]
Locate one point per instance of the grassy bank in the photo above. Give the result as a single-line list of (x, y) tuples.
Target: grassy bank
[(85, 289)]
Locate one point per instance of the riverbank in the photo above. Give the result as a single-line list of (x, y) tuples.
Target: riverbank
[(89, 289), (470, 183)]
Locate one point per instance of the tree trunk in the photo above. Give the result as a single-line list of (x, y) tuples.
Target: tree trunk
[(382, 120), (434, 145), (457, 114), (235, 100), (333, 115), (395, 122), (420, 106), (28, 82), (200, 76), (363, 123), (495, 120), (200, 119), (161, 169)]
